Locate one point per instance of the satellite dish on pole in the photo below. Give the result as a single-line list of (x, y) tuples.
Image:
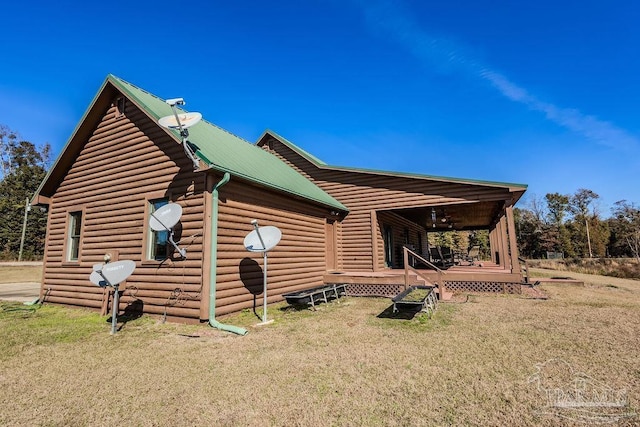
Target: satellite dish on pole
[(263, 239), (181, 122), (112, 274), (164, 219)]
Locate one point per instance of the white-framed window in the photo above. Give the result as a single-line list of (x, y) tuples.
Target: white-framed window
[(73, 236)]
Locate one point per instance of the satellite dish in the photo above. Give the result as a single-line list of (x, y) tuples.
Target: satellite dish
[(97, 279), (186, 120), (166, 217), (180, 122), (112, 274), (263, 239), (269, 236), (119, 271)]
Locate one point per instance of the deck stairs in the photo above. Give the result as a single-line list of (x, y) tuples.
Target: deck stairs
[(416, 280)]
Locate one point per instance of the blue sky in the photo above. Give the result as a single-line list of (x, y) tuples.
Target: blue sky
[(541, 93)]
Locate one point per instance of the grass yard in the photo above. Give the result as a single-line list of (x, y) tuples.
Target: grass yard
[(470, 364)]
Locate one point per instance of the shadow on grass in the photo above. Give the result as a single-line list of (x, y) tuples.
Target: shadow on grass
[(131, 312), (402, 314)]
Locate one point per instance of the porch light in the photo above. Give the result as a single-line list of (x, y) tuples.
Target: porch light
[(433, 217)]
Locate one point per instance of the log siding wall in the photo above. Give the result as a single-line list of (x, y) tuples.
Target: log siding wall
[(363, 192), (123, 163), (296, 263)]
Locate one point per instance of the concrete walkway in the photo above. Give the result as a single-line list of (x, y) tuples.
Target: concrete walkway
[(25, 292)]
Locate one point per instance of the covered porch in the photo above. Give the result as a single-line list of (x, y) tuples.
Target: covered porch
[(403, 255)]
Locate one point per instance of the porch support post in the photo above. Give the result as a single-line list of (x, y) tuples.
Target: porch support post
[(492, 244), (513, 241), (374, 240), (497, 238), (504, 259)]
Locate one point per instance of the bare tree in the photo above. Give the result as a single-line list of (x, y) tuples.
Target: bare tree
[(627, 225)]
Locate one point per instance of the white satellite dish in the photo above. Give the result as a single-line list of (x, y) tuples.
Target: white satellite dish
[(164, 219), (112, 274), (186, 120), (262, 239), (97, 279), (118, 272), (181, 121)]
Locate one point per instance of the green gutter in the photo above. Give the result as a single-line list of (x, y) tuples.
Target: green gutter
[(214, 264)]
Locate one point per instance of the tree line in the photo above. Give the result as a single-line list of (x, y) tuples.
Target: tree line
[(23, 166), (574, 226)]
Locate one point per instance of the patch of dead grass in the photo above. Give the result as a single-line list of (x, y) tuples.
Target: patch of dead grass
[(341, 365), (20, 274)]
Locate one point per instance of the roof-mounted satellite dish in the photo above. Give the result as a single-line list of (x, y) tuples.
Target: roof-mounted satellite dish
[(164, 219), (263, 239), (182, 121), (186, 120), (112, 274)]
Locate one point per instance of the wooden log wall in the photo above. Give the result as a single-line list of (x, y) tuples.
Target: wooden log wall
[(400, 226), (297, 262), (125, 162), (363, 192)]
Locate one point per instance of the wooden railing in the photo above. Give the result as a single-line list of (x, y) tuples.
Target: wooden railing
[(408, 254), (524, 267)]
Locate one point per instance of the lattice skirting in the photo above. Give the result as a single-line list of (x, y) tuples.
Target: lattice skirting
[(495, 287), (365, 290)]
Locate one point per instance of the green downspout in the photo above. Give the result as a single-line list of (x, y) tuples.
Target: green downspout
[(214, 263)]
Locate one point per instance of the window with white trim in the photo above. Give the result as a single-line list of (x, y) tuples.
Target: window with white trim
[(73, 242)]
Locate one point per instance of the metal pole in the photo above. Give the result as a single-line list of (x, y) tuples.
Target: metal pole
[(27, 208), (264, 291), (114, 311)]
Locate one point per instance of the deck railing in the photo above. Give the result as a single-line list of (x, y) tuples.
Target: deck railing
[(524, 267), (408, 255)]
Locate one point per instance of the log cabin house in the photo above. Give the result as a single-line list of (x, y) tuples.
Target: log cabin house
[(339, 225), (390, 213)]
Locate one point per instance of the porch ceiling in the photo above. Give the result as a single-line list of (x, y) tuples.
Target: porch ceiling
[(467, 216)]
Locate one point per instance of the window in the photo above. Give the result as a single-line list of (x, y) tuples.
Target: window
[(73, 244), (158, 240)]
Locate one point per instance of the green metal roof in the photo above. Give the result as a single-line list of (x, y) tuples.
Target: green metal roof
[(226, 152), (323, 165)]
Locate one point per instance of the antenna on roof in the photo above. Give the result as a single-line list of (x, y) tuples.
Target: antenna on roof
[(182, 122)]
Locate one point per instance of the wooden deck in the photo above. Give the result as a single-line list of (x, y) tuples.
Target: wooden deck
[(482, 277)]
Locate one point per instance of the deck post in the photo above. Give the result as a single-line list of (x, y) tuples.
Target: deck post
[(513, 242), (493, 244), (374, 240), (504, 261)]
